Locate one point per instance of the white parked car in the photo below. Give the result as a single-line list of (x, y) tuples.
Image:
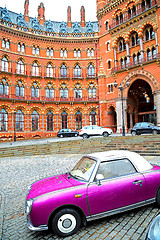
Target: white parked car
[(94, 130)]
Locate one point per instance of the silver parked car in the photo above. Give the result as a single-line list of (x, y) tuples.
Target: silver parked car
[(94, 130)]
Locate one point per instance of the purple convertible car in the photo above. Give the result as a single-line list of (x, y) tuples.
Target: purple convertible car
[(101, 184)]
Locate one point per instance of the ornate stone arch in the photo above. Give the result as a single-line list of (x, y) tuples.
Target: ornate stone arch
[(139, 74), (6, 107), (148, 23), (52, 109)]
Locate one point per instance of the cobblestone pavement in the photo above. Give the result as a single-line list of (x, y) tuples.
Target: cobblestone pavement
[(17, 173)]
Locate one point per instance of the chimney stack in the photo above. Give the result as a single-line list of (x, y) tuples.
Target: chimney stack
[(26, 10), (69, 23), (83, 23), (41, 13)]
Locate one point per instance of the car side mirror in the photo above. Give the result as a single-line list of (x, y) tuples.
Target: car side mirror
[(99, 177)]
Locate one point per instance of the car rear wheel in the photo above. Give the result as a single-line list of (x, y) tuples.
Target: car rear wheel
[(105, 134), (66, 222), (85, 136), (158, 197), (134, 133), (154, 132)]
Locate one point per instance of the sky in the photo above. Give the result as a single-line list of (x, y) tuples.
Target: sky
[(55, 10)]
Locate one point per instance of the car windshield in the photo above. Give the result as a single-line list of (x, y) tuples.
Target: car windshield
[(83, 169)]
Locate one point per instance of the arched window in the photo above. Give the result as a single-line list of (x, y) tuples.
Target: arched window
[(49, 121), (121, 44), (3, 120), (152, 33), (35, 90), (49, 92), (121, 17), (49, 52), (139, 57), (19, 121), (64, 91), (4, 87), (20, 89), (35, 69), (92, 91), (21, 47), (78, 91), (149, 55), (64, 120), (63, 53), (109, 64), (20, 67), (77, 71), (147, 35), (63, 71), (35, 121), (35, 50), (154, 53), (78, 120), (133, 11), (134, 59), (5, 64), (129, 13), (91, 71), (6, 44), (49, 70), (92, 118)]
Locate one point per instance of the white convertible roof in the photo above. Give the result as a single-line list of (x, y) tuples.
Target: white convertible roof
[(138, 161)]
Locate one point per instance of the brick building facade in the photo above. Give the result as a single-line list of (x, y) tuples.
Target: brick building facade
[(55, 75)]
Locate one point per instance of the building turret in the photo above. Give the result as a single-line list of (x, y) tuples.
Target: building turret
[(26, 10), (101, 4), (83, 16), (41, 13), (69, 23)]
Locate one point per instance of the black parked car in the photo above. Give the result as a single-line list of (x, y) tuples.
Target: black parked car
[(66, 132), (144, 127)]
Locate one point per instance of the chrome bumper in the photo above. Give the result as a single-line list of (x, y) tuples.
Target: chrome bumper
[(39, 228)]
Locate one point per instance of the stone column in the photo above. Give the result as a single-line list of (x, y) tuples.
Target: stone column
[(115, 57), (157, 104), (142, 51), (156, 42), (119, 114), (128, 53)]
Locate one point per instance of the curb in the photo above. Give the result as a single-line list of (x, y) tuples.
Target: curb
[(2, 203)]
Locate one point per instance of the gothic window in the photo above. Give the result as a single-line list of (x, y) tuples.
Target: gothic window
[(3, 120), (91, 71), (149, 55), (35, 69), (5, 64), (108, 46), (19, 89), (20, 67), (129, 13), (21, 47), (63, 71), (110, 88), (121, 45), (35, 121), (92, 91), (121, 18), (107, 26), (64, 119), (77, 53), (49, 91), (92, 118), (49, 70), (19, 121), (122, 63), (125, 61), (4, 87), (78, 118), (149, 33), (49, 52), (35, 90), (78, 91), (154, 53), (134, 39), (77, 71), (35, 50), (64, 91), (49, 121), (63, 53), (134, 11), (109, 64), (90, 52), (6, 44), (138, 57)]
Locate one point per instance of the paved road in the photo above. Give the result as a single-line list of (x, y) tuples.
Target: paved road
[(17, 173)]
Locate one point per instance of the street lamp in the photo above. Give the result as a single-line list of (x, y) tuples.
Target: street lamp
[(121, 88), (14, 126)]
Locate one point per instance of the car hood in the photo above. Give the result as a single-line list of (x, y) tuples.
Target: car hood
[(51, 184)]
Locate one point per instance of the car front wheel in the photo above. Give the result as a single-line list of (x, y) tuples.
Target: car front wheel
[(85, 136), (154, 132), (76, 135), (105, 134), (134, 133), (66, 222)]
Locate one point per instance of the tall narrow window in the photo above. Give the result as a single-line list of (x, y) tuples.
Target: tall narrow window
[(49, 121), (91, 71), (63, 71), (35, 90), (77, 71), (5, 64), (49, 72), (78, 118), (35, 121), (64, 119), (19, 121), (3, 120), (92, 118), (20, 67)]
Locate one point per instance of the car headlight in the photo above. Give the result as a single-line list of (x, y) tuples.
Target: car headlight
[(154, 229), (29, 204)]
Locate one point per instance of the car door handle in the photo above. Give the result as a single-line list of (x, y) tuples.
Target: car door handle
[(138, 182)]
